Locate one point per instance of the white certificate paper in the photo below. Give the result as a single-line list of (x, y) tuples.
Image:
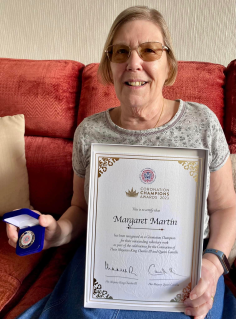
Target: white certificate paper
[(145, 226)]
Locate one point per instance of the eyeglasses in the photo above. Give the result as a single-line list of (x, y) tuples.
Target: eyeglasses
[(148, 51)]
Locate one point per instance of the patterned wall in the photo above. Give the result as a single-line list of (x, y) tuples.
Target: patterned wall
[(202, 30)]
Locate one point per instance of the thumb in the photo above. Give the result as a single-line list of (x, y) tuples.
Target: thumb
[(48, 221)]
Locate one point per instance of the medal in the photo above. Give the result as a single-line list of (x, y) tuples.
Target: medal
[(31, 234), (26, 239)]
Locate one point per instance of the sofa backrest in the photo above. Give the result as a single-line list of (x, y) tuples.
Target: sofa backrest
[(196, 81), (47, 93)]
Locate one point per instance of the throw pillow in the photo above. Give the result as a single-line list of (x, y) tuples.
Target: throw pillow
[(14, 187)]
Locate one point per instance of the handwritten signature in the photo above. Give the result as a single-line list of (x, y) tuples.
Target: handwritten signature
[(128, 270), (152, 270)]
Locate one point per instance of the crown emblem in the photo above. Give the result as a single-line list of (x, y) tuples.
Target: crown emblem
[(131, 193)]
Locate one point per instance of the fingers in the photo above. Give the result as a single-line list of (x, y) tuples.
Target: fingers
[(52, 231), (12, 234), (48, 221), (200, 300), (201, 311), (208, 296), (200, 289), (201, 294)]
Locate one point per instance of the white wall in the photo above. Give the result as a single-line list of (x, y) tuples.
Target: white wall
[(202, 30)]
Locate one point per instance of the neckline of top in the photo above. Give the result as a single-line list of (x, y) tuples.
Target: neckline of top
[(158, 129)]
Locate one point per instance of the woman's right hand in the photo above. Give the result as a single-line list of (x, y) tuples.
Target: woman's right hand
[(70, 225), (52, 231)]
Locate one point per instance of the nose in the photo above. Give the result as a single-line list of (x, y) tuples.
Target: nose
[(134, 61)]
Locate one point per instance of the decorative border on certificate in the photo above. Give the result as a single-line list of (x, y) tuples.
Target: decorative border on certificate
[(134, 250), (188, 165), (104, 163), (192, 167), (98, 292), (185, 294)]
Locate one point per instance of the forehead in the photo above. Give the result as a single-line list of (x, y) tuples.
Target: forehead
[(138, 31)]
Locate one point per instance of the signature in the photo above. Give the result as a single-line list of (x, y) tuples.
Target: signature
[(154, 272), (128, 270)]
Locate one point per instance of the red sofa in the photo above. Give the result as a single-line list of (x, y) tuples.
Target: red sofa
[(55, 96)]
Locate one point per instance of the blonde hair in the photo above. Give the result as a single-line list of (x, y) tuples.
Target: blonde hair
[(131, 14)]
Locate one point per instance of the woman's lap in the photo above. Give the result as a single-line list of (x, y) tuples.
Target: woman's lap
[(66, 301)]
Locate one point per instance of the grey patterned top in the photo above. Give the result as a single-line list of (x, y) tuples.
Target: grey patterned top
[(193, 126)]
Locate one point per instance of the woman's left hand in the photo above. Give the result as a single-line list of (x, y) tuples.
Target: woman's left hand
[(201, 298)]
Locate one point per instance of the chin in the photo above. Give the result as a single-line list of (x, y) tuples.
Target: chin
[(135, 103)]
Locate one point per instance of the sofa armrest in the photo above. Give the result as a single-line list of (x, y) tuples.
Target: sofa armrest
[(230, 279), (47, 279), (230, 106), (13, 269)]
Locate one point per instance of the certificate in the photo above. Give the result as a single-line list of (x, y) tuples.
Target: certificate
[(145, 226)]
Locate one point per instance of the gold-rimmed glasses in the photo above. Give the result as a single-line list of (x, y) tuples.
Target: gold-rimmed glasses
[(148, 51)]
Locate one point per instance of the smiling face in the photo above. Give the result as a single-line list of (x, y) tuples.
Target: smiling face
[(126, 75)]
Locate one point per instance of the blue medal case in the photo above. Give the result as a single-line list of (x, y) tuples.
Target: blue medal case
[(31, 234)]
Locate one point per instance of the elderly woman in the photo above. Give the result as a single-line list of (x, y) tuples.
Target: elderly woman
[(138, 60)]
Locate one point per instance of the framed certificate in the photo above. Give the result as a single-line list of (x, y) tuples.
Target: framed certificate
[(145, 226)]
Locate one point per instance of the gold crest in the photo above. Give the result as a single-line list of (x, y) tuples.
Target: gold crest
[(131, 193)]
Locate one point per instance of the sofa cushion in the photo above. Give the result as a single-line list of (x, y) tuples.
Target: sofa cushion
[(46, 92), (230, 106), (196, 81), (200, 82), (49, 163), (47, 279), (14, 187), (13, 269), (94, 97)]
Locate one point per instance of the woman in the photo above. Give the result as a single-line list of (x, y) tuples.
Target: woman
[(138, 59)]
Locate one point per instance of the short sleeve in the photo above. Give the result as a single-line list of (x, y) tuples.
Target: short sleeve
[(78, 156), (219, 146)]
